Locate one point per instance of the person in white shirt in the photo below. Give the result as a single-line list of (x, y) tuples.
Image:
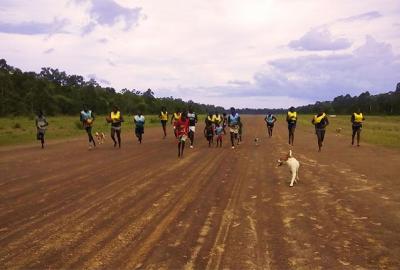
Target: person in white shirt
[(139, 125)]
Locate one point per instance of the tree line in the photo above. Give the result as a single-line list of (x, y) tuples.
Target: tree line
[(381, 104), (57, 93)]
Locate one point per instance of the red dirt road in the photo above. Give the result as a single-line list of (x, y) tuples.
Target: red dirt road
[(142, 207)]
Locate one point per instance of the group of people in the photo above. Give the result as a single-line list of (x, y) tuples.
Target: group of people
[(184, 126), (320, 122)]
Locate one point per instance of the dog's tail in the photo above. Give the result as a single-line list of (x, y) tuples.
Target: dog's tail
[(290, 153)]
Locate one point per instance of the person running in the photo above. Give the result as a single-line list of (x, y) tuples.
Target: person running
[(224, 121), (291, 119), (233, 123), (320, 121), (41, 126), (139, 126), (270, 119), (164, 119), (182, 131), (174, 118), (219, 131), (357, 120), (116, 120), (218, 119), (192, 116), (209, 131), (87, 119)]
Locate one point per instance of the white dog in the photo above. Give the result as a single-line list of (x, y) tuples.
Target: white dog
[(100, 136), (293, 165)]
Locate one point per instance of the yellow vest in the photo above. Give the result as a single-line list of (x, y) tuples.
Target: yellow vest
[(358, 118), (292, 115), (164, 116), (177, 116), (318, 119), (115, 117), (218, 119), (210, 118)]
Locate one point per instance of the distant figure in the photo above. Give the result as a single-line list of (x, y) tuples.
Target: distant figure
[(270, 120), (87, 119), (209, 131), (320, 122), (139, 121), (233, 123), (182, 131), (116, 120), (224, 122), (357, 120), (291, 119), (175, 118), (41, 126), (219, 132), (192, 116), (164, 119)]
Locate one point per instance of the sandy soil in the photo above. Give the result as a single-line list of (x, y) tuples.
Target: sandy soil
[(140, 207)]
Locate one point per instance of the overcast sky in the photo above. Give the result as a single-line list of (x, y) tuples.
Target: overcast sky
[(253, 53)]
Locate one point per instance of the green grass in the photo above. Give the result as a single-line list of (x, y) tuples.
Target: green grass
[(379, 130), (22, 130)]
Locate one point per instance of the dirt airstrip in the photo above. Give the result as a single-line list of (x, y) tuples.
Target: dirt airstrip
[(141, 207)]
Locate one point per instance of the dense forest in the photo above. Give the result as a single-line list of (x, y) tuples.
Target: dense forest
[(55, 92)]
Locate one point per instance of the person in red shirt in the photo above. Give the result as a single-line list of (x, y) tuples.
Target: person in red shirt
[(182, 131)]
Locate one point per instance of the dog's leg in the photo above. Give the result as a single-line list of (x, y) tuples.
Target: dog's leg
[(293, 178), (297, 175)]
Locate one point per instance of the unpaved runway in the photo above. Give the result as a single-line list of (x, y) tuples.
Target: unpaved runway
[(141, 207)]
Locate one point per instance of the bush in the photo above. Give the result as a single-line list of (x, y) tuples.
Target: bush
[(17, 125)]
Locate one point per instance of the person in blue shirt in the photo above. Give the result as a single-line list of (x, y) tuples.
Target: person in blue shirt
[(270, 119), (233, 123), (139, 126), (87, 119)]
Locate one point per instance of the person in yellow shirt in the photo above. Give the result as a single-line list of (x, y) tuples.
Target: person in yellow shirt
[(291, 119), (176, 116), (357, 120), (320, 121), (164, 119), (116, 120)]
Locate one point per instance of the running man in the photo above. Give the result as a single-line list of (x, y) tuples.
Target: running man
[(192, 125), (219, 131), (139, 126), (174, 118), (209, 131), (182, 131), (357, 120), (270, 119), (87, 119), (320, 121), (233, 123), (291, 119), (41, 126), (116, 120), (164, 119)]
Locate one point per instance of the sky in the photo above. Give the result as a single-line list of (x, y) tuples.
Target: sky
[(253, 53)]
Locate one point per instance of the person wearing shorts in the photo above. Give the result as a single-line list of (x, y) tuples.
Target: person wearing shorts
[(192, 116), (219, 131), (182, 131), (320, 121), (357, 120), (116, 120), (87, 119), (233, 123), (139, 126), (41, 126), (174, 118), (164, 119), (270, 120), (209, 131), (291, 119)]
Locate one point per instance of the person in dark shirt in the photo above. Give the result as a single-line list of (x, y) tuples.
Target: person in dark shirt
[(320, 121), (192, 116), (41, 126)]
